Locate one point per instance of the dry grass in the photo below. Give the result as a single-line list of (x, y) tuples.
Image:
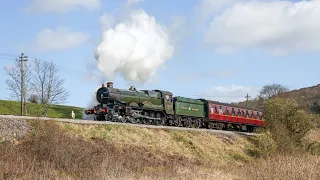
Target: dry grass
[(51, 153), (68, 151), (200, 146), (297, 166)]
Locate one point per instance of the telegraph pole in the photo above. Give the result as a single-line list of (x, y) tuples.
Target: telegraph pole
[(22, 81), (247, 97)]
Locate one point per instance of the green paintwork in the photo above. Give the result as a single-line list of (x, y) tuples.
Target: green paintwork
[(149, 99), (189, 107), (167, 101)]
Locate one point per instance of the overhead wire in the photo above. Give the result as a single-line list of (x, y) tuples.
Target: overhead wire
[(94, 76)]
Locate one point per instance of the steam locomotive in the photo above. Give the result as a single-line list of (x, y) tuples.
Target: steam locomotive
[(160, 107)]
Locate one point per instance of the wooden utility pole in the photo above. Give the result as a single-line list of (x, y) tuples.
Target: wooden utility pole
[(247, 99), (22, 82)]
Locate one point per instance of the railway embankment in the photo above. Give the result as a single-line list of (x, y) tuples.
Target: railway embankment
[(35, 149)]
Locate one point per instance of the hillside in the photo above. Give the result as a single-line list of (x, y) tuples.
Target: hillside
[(55, 150), (55, 111), (308, 98)]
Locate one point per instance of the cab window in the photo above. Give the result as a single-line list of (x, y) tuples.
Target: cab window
[(168, 98)]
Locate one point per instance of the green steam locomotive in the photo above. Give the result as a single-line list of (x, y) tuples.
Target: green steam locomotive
[(159, 107), (144, 106)]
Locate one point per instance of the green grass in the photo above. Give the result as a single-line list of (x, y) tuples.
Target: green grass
[(55, 111)]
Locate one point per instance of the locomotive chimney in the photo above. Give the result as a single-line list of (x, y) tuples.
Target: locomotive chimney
[(110, 84)]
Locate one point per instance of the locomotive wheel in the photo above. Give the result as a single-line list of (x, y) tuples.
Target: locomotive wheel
[(188, 123), (198, 123), (124, 119), (146, 120), (163, 119), (220, 126), (210, 125), (158, 116), (110, 117), (178, 122), (98, 118), (154, 121)]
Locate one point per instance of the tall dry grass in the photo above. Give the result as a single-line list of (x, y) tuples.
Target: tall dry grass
[(51, 153), (284, 167)]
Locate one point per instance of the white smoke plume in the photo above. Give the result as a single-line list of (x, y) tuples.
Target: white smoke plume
[(93, 102), (135, 48)]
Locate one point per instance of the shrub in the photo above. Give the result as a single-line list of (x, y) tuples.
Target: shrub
[(287, 123)]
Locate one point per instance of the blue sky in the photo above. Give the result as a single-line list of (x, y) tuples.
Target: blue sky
[(224, 49)]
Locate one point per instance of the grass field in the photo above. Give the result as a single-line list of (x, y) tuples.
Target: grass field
[(55, 111)]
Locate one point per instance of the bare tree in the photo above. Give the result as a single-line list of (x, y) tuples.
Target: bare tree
[(48, 85), (14, 81), (272, 90)]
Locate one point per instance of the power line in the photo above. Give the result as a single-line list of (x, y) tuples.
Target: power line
[(69, 70), (94, 76), (8, 54)]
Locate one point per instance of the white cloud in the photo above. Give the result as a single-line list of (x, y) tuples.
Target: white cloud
[(61, 6), (58, 39), (207, 8), (228, 94), (278, 26)]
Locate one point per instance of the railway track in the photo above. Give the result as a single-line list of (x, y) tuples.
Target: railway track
[(75, 121)]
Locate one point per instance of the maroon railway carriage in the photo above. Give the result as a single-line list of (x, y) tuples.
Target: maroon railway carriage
[(223, 116)]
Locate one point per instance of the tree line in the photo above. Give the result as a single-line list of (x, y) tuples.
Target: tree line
[(42, 84)]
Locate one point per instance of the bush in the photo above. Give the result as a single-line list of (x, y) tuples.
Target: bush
[(287, 123), (264, 145), (33, 99)]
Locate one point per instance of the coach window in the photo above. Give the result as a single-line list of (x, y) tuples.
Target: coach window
[(258, 115), (227, 111), (233, 113), (252, 115), (247, 113), (239, 113), (215, 109), (220, 110)]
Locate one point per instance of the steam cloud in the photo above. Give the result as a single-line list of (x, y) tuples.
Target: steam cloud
[(135, 48)]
